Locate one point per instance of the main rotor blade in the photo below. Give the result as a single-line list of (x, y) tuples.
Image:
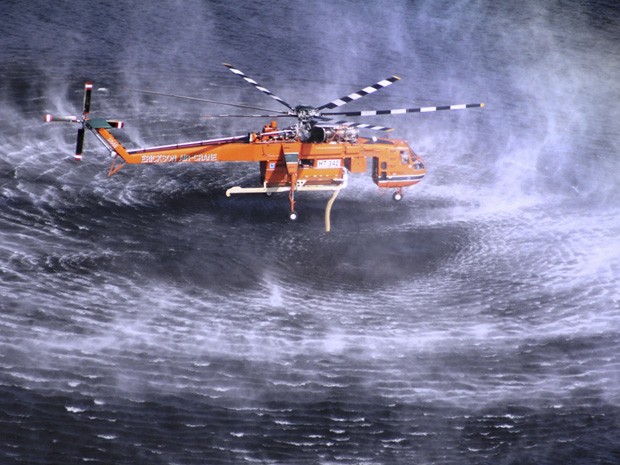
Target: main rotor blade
[(373, 127), (207, 101), (402, 111), (257, 85), (359, 94), (249, 116)]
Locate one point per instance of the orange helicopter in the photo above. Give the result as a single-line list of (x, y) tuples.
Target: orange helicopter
[(315, 154)]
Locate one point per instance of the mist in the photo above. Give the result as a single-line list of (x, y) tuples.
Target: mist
[(469, 323), (546, 72)]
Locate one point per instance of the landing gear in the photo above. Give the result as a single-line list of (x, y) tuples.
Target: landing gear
[(291, 196), (398, 195)]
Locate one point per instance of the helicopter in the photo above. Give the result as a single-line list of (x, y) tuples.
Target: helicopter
[(317, 153)]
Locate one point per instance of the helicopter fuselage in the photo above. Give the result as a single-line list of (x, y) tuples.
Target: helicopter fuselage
[(288, 163)]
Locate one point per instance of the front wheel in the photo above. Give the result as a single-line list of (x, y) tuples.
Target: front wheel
[(397, 196), (292, 216)]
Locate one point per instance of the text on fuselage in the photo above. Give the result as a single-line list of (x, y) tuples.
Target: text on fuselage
[(183, 158)]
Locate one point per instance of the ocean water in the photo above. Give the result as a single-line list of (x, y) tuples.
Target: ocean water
[(147, 318)]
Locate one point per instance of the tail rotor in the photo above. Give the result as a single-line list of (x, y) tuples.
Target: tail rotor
[(79, 145)]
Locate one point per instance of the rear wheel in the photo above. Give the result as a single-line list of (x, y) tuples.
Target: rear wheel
[(292, 216), (397, 196)]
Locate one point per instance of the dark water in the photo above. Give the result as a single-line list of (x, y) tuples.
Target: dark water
[(146, 318)]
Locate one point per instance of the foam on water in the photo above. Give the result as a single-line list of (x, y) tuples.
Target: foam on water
[(475, 322)]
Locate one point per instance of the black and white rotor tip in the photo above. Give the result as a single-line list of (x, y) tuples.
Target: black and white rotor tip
[(61, 119), (88, 90)]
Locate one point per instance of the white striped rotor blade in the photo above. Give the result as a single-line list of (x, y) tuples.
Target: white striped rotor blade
[(257, 85), (372, 127), (360, 93), (401, 111), (249, 116)]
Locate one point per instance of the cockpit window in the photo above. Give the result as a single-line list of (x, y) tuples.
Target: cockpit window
[(404, 157)]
